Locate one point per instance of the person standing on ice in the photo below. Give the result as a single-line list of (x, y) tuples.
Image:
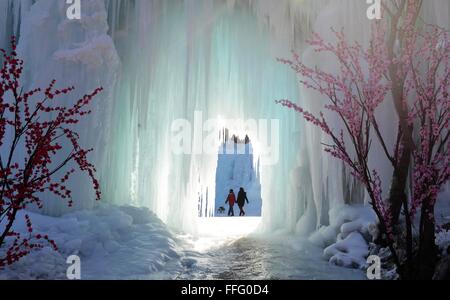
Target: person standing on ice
[(242, 197), (231, 199)]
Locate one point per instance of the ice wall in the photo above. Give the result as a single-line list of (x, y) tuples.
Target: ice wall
[(164, 60), (74, 52), (180, 57), (10, 19), (218, 57)]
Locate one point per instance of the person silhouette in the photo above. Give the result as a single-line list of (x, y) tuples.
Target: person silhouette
[(231, 199), (242, 197)]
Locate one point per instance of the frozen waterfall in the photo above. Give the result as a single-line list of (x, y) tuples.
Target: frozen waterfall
[(160, 61)]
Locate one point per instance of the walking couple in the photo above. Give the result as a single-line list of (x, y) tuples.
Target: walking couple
[(241, 199)]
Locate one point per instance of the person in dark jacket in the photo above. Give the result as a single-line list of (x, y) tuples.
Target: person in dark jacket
[(231, 199), (242, 197)]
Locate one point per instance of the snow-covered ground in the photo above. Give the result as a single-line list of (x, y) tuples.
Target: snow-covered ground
[(112, 243), (346, 240), (132, 243)]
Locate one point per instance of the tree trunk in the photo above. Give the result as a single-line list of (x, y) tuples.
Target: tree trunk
[(397, 192), (428, 251)]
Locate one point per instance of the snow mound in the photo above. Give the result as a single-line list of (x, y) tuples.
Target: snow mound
[(44, 264), (112, 243), (346, 240), (348, 252)]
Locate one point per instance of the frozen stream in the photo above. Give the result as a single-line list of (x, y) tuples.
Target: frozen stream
[(257, 259), (247, 256)]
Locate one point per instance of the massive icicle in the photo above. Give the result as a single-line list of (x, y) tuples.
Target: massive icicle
[(78, 53)]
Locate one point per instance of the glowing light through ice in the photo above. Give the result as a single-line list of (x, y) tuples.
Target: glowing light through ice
[(214, 232), (228, 227)]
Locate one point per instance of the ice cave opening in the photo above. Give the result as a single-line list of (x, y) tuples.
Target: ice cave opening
[(237, 170), (238, 167)]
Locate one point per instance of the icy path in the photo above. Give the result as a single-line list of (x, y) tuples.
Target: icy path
[(254, 259), (228, 251)]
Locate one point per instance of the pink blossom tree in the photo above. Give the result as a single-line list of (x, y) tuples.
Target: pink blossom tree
[(415, 77)]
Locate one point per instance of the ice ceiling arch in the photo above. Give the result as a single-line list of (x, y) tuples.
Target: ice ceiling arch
[(163, 60)]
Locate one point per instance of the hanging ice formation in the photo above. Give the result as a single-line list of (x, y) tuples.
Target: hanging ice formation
[(163, 60)]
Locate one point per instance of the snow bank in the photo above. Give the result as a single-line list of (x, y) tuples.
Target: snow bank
[(112, 243), (355, 227), (349, 252)]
